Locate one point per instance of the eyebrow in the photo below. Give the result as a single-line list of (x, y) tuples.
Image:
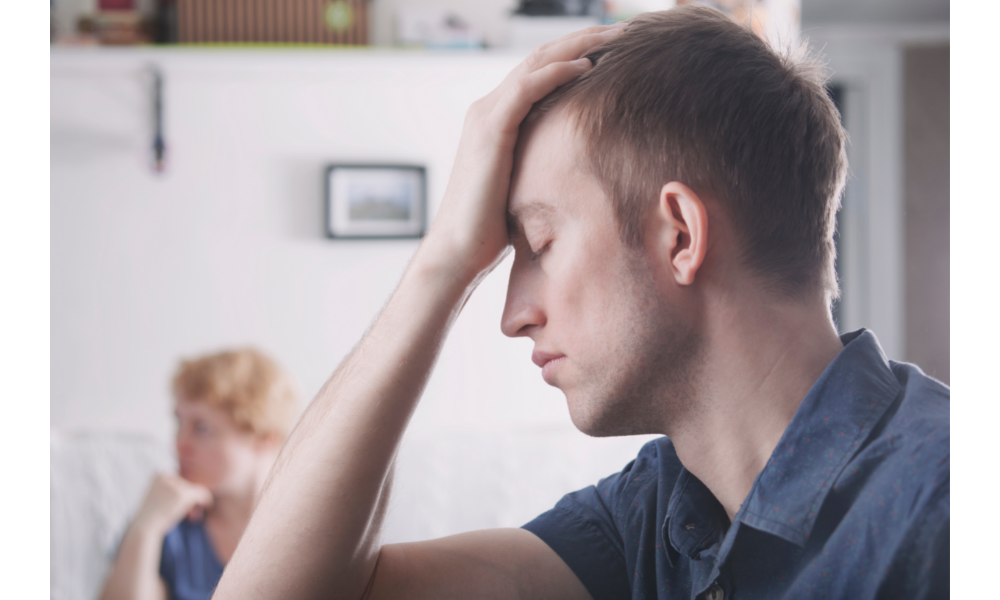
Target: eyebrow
[(523, 211)]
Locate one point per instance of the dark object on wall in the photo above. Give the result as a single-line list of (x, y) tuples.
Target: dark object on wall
[(376, 201), (559, 8), (165, 28), (159, 145), (273, 21)]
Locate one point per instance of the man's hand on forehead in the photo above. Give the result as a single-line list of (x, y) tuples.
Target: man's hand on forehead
[(304, 538), (473, 226)]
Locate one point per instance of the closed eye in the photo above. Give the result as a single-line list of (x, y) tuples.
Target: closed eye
[(541, 251)]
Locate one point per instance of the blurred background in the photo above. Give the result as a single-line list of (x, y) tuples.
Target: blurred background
[(189, 146)]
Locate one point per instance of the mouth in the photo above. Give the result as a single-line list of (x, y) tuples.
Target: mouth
[(548, 363)]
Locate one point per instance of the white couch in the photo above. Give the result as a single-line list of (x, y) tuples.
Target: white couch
[(96, 482), (445, 484)]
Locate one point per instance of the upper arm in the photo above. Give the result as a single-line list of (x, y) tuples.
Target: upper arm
[(493, 563)]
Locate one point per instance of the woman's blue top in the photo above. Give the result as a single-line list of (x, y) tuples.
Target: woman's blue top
[(188, 564)]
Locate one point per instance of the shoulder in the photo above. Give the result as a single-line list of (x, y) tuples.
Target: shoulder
[(897, 487), (598, 530), (924, 401), (916, 477), (180, 540), (917, 433), (908, 454), (183, 531)]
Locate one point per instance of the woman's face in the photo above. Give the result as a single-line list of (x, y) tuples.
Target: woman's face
[(213, 451)]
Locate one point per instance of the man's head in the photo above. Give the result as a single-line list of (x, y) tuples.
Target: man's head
[(685, 117), (689, 95)]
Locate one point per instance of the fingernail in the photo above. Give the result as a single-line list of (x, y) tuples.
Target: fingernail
[(583, 63), (611, 32)]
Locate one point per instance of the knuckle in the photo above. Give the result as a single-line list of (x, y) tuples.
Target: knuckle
[(472, 117), (535, 59), (518, 90)]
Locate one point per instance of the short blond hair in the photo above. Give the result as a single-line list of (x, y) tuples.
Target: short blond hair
[(244, 382)]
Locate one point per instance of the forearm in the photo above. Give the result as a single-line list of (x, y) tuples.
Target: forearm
[(316, 526), (136, 572), (315, 530)]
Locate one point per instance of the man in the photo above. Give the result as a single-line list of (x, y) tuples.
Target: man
[(671, 208)]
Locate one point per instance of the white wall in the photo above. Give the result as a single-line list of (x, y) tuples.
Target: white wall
[(489, 16), (867, 62), (227, 248)]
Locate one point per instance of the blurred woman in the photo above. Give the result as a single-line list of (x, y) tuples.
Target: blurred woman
[(233, 411)]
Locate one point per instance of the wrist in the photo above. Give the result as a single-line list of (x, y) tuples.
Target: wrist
[(444, 263), (152, 525)]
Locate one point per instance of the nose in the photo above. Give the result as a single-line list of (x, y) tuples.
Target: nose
[(183, 441), (522, 312)]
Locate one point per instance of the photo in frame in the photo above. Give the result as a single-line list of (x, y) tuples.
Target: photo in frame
[(376, 201)]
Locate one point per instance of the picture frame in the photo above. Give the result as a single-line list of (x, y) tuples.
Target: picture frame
[(375, 201)]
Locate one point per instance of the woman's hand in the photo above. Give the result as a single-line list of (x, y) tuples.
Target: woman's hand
[(471, 226), (135, 573), (170, 499)]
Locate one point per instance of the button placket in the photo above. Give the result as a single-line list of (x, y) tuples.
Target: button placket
[(714, 592)]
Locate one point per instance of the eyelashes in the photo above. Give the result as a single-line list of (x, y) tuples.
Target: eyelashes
[(541, 251)]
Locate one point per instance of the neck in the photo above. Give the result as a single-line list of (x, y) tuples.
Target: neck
[(234, 507), (761, 359)]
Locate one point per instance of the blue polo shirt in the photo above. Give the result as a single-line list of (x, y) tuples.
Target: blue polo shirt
[(853, 503), (188, 564)]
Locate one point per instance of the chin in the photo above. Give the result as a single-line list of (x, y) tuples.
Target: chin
[(195, 477), (593, 421), (608, 418)]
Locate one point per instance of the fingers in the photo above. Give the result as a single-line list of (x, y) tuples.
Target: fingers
[(595, 29), (514, 105), (203, 497), (198, 499), (566, 48)]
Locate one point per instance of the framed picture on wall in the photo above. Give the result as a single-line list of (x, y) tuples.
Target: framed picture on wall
[(375, 201)]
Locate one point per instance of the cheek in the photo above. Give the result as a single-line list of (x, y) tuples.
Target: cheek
[(239, 458), (585, 294), (213, 459)]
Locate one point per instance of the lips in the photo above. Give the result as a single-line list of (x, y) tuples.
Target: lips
[(548, 362), (540, 358)]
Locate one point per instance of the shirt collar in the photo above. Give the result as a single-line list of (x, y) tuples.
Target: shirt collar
[(829, 427), (695, 518)]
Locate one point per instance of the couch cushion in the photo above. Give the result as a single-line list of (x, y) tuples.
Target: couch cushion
[(97, 480)]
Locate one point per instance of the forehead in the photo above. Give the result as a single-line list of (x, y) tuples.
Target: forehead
[(184, 407), (550, 169)]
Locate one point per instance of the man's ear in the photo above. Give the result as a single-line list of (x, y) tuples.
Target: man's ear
[(682, 236)]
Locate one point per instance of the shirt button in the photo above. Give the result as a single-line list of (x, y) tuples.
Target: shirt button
[(714, 592)]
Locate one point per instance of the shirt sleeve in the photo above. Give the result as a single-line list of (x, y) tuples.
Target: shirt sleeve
[(582, 530)]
